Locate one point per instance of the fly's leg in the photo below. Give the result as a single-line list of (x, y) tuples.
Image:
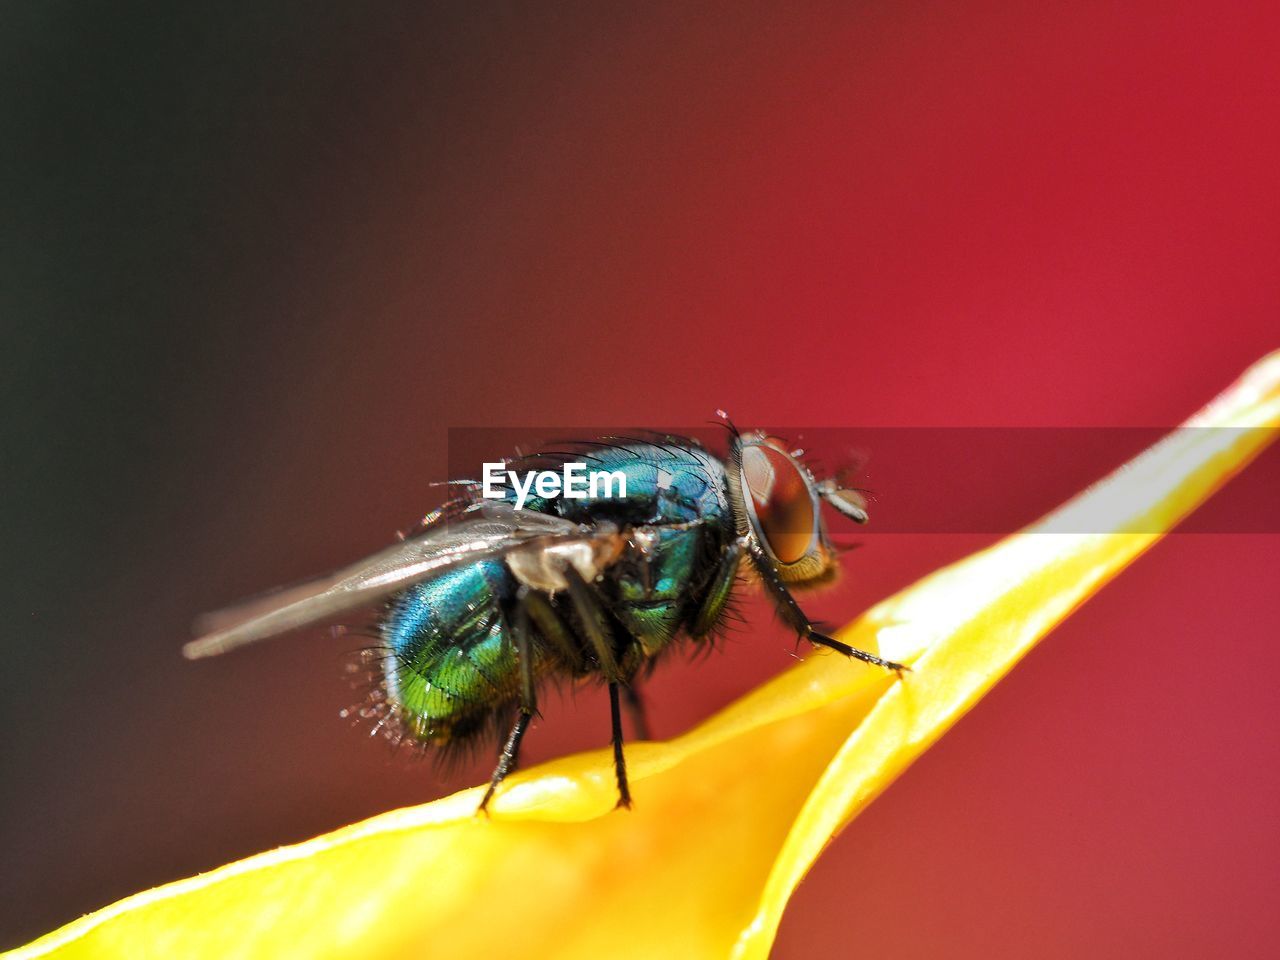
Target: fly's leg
[(553, 630), (510, 755), (793, 616), (635, 707), (595, 625), (823, 640), (506, 759), (619, 761)]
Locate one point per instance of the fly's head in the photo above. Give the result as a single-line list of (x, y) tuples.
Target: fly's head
[(777, 503)]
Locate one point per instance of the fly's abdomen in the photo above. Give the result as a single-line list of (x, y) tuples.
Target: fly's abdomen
[(449, 669)]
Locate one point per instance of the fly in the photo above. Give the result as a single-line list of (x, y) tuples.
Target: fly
[(493, 596)]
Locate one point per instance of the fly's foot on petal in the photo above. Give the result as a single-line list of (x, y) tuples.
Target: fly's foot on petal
[(822, 640)]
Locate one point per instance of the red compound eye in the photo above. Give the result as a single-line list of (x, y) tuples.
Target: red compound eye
[(778, 489)]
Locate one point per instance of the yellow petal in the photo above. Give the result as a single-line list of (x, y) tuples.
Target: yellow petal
[(729, 816)]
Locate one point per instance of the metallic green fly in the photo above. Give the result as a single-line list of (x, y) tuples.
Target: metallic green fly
[(487, 600)]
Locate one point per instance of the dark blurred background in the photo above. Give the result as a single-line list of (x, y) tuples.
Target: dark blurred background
[(256, 259)]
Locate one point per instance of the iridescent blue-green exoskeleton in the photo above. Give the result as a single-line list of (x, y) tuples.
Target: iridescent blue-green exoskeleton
[(487, 599)]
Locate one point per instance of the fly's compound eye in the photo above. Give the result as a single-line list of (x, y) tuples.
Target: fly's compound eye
[(782, 501)]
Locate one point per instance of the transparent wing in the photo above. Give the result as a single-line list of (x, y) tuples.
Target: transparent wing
[(491, 530)]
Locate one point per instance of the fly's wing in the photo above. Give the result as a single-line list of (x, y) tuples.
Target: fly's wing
[(494, 529)]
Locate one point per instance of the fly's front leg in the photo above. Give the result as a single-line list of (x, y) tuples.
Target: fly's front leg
[(518, 624), (791, 613)]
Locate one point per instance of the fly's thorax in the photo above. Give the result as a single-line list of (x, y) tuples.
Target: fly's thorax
[(659, 585)]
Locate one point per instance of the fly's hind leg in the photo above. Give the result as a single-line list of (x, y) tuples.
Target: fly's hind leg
[(596, 625), (518, 624), (619, 761), (791, 613)]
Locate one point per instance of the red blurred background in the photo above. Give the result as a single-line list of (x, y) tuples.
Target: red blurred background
[(263, 258)]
